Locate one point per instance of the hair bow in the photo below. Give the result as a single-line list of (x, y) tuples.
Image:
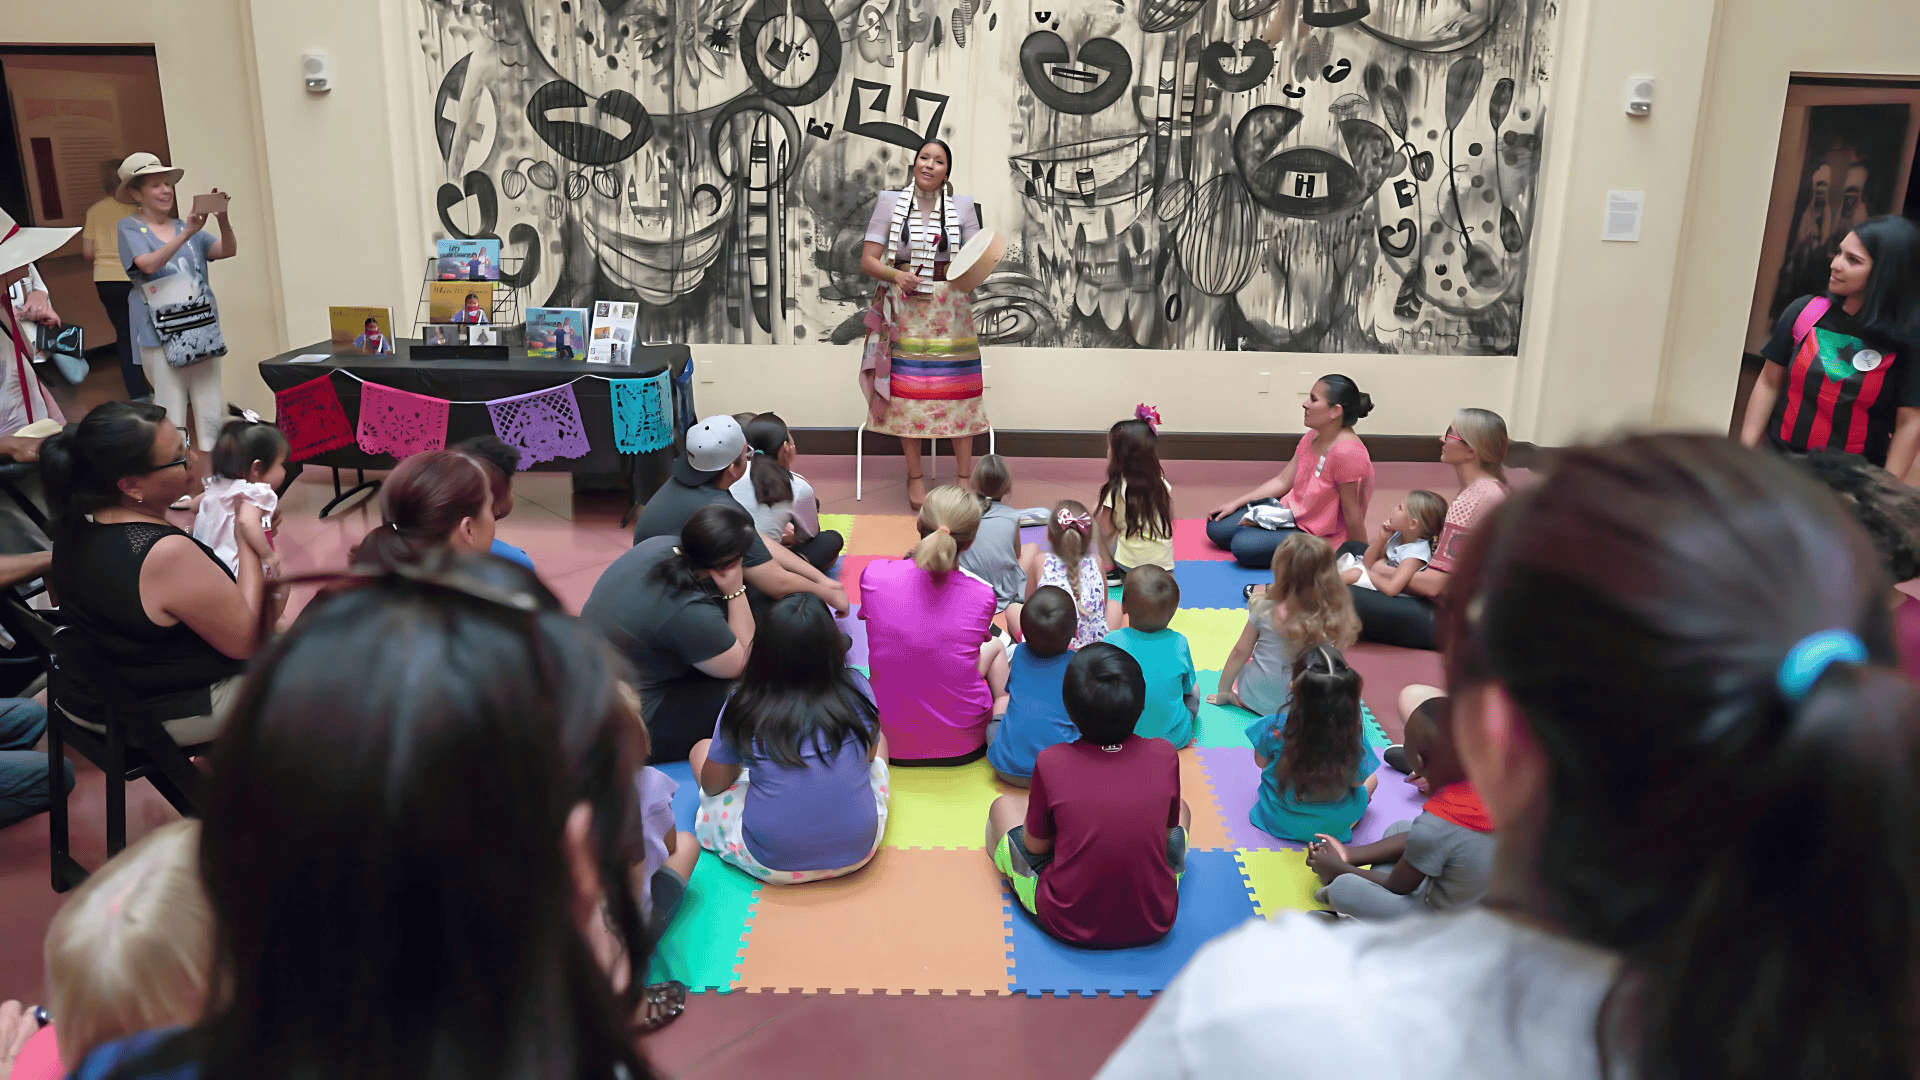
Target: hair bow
[(249, 416), (1067, 519), (1148, 413)]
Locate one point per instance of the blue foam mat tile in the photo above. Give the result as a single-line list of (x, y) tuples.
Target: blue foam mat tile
[(686, 798), (1212, 584), (1213, 900)]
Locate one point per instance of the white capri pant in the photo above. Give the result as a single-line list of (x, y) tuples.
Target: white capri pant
[(176, 388)]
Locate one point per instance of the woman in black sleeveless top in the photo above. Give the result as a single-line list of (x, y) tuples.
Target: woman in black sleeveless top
[(165, 614)]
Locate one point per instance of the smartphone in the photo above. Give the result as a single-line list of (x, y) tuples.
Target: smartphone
[(210, 204)]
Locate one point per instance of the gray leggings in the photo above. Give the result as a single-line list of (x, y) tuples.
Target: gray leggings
[(1351, 894)]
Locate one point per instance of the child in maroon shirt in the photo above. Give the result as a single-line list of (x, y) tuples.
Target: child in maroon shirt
[(1095, 851)]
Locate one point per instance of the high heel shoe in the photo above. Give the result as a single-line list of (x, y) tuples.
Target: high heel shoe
[(916, 501)]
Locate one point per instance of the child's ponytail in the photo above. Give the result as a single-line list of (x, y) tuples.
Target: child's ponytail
[(947, 523), (772, 481), (1815, 872), (244, 440), (1069, 531)]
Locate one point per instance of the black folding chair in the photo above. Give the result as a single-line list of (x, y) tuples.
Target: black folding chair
[(134, 745)]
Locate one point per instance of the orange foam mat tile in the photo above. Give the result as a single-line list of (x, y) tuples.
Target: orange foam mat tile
[(911, 921), (1209, 829), (889, 535)]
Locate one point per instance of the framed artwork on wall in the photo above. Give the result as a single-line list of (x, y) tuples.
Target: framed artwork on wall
[(1846, 155)]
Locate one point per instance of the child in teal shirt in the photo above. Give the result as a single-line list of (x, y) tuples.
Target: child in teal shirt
[(1150, 598), (1317, 767), (1036, 671)]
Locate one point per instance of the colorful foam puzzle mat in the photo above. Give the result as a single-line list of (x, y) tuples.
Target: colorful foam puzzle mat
[(930, 915)]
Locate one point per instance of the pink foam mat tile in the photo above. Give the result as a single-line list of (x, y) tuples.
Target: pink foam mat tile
[(1190, 542)]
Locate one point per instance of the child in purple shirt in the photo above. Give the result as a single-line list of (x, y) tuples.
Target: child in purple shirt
[(793, 784)]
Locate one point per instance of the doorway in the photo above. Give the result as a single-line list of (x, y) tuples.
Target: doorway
[(69, 111)]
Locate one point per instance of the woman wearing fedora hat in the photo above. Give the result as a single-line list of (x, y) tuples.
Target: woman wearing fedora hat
[(23, 400), (155, 243)]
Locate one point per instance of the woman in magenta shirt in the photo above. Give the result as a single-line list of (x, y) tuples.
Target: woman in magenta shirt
[(937, 673), (1327, 485)]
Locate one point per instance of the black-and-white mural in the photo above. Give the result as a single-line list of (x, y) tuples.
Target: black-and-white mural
[(1298, 175)]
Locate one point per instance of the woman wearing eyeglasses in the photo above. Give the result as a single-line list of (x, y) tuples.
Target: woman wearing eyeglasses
[(175, 625), (1476, 446)]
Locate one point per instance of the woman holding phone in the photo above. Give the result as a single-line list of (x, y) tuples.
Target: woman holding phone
[(155, 243)]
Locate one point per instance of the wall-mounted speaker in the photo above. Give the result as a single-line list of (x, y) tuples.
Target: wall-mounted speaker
[(316, 72)]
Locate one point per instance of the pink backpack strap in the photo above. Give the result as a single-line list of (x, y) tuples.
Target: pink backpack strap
[(1809, 315)]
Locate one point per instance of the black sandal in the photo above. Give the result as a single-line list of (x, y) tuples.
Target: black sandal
[(661, 1004)]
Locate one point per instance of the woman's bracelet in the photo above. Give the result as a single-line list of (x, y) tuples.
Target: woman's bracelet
[(736, 594)]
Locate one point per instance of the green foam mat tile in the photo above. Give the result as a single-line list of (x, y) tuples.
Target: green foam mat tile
[(1219, 725), (941, 807), (702, 945)]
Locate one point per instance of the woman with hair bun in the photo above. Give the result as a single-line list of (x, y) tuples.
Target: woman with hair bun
[(428, 500), (1675, 689), (938, 673), (1324, 490)]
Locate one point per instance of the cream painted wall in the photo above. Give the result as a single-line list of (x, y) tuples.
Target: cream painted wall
[(1762, 43)]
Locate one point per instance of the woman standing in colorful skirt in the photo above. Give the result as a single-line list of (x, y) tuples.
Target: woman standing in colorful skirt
[(921, 371)]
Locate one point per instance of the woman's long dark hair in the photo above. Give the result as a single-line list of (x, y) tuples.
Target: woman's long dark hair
[(422, 501), (1750, 856), (1321, 736), (82, 464), (797, 689), (713, 536), (772, 481), (406, 908), (1890, 303), (1133, 459)]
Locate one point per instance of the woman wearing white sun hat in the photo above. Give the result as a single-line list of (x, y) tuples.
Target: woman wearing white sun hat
[(23, 400), (155, 243)]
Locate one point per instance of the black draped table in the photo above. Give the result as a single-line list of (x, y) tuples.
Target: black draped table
[(487, 380)]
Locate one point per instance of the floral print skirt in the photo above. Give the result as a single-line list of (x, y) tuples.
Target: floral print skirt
[(936, 381)]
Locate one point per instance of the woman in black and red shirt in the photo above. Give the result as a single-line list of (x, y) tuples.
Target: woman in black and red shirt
[(1843, 368)]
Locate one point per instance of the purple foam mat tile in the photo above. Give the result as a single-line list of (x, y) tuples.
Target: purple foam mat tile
[(855, 628), (1236, 784), (1394, 799)]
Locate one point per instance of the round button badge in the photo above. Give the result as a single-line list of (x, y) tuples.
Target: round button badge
[(1866, 360)]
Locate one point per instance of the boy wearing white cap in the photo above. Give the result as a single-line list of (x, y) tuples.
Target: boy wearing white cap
[(715, 457)]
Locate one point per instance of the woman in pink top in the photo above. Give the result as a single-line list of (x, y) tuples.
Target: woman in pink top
[(937, 673), (1327, 485), (1476, 447)]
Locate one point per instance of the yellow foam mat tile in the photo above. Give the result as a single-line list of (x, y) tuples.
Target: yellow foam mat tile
[(942, 807), (1210, 633), (1279, 881), (840, 523)]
